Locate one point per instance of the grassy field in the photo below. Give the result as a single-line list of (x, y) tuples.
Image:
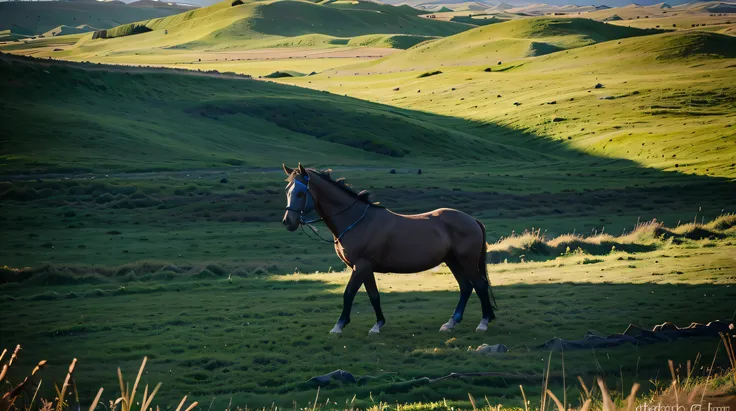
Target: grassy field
[(169, 172), (219, 37), (214, 339), (603, 99), (511, 40), (264, 25), (140, 207)]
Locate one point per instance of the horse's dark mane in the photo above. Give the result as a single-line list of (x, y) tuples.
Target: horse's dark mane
[(339, 183)]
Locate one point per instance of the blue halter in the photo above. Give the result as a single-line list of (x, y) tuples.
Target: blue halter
[(308, 204), (308, 207)]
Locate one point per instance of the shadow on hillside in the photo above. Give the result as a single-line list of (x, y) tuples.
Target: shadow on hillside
[(520, 179)]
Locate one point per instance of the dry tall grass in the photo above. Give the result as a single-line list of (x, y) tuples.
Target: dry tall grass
[(645, 236), (17, 397)]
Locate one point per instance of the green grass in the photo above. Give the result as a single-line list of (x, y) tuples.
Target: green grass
[(208, 337), (161, 166), (265, 24), (7, 35), (64, 30), (196, 108), (396, 41), (209, 36), (506, 41), (131, 194), (677, 120)]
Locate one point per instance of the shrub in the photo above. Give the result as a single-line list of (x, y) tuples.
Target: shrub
[(278, 74), (429, 73)]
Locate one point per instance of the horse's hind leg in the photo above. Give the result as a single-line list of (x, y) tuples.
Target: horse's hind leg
[(466, 289), (481, 289), (469, 272)]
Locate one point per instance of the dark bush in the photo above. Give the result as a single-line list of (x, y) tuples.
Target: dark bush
[(429, 73), (278, 74)]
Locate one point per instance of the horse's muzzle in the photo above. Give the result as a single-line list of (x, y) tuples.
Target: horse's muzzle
[(289, 225)]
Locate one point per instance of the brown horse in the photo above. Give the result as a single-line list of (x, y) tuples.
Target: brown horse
[(370, 238)]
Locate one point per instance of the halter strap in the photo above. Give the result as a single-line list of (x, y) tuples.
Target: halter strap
[(309, 223)]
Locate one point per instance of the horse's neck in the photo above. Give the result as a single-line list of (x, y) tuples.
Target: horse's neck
[(337, 208)]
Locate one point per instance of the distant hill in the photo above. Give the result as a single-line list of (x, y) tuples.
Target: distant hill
[(72, 118), (502, 6), (265, 24), (64, 30), (723, 8), (161, 5), (439, 7), (519, 3), (502, 42), (710, 7), (37, 17), (543, 8)]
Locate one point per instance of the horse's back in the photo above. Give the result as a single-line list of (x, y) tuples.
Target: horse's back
[(452, 220), (440, 232)]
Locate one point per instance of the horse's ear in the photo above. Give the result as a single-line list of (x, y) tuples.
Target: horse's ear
[(302, 170), (287, 170)]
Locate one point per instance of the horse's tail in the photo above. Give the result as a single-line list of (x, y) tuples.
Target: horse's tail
[(482, 267)]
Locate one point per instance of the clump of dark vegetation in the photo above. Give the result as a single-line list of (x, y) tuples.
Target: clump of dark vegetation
[(429, 74), (278, 74)]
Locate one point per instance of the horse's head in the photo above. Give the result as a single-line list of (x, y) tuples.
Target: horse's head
[(299, 200)]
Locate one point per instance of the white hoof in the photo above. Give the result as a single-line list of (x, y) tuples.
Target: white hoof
[(483, 326), (376, 329), (337, 330), (448, 326)]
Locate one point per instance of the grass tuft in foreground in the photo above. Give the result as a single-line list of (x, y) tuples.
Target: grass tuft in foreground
[(17, 397)]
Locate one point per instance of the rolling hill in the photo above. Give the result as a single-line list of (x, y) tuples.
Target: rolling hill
[(38, 17), (62, 116), (65, 30), (663, 100), (259, 25), (543, 8), (502, 42), (440, 7)]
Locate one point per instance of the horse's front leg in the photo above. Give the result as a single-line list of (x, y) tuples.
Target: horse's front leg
[(360, 271), (372, 289)]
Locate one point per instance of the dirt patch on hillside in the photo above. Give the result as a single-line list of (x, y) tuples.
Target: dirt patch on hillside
[(290, 53)]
